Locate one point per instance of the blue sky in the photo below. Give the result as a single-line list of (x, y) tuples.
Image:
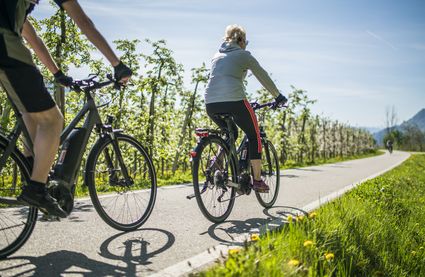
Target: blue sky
[(355, 57)]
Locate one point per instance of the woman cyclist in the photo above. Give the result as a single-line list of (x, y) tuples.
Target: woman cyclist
[(225, 93)]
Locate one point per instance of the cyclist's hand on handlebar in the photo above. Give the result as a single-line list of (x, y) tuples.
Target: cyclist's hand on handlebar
[(122, 73), (280, 101), (62, 79)]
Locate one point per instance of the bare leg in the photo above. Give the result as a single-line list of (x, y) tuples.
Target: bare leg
[(256, 169), (45, 128), (31, 127)]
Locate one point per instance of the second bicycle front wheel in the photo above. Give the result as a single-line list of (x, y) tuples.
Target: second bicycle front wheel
[(211, 170), (270, 174), (122, 185)]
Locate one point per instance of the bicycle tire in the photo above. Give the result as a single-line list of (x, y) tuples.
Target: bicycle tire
[(205, 151), (271, 175), (10, 208), (101, 192)]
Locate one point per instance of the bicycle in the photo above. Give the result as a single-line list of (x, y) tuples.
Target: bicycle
[(219, 170), (390, 148), (119, 173)]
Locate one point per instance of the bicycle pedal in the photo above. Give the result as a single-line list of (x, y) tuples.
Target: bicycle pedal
[(48, 217), (233, 185)]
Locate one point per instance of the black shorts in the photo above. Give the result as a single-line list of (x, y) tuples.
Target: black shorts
[(244, 116), (20, 78)]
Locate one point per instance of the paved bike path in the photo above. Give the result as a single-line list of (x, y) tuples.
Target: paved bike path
[(83, 245)]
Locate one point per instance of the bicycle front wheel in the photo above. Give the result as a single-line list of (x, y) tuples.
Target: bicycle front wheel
[(122, 185), (17, 220), (270, 174), (211, 170)]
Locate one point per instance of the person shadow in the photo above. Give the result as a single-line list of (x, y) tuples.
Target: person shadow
[(120, 255)]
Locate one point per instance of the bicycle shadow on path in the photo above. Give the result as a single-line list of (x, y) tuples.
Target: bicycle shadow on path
[(229, 232), (124, 254)]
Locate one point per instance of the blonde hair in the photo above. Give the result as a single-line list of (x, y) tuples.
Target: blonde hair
[(234, 33)]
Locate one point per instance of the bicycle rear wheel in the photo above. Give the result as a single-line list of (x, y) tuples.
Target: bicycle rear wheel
[(123, 203), (210, 171), (270, 174), (17, 220)]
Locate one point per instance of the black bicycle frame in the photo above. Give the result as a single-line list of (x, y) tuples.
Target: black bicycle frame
[(92, 121)]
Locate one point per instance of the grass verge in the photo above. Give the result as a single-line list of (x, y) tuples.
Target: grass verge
[(372, 153), (376, 229)]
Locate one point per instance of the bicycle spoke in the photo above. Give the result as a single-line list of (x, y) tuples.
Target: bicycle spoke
[(209, 163), (270, 175), (16, 221), (125, 200)]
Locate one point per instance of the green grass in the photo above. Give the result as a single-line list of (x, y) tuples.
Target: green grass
[(174, 179), (169, 179), (376, 229), (372, 153)]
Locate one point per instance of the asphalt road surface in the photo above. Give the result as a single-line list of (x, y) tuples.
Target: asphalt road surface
[(83, 245)]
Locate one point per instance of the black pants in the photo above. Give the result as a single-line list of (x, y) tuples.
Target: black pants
[(244, 117)]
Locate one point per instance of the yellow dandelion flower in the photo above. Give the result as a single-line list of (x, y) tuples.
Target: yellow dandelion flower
[(255, 237), (312, 215), (308, 243), (234, 251), (289, 218), (300, 218), (294, 262), (329, 256)]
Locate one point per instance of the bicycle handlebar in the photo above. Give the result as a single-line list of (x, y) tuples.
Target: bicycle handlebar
[(91, 84), (256, 106)]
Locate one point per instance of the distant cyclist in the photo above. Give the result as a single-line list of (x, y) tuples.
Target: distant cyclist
[(25, 87), (225, 93), (390, 146)]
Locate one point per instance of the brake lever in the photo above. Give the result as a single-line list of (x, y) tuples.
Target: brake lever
[(117, 85)]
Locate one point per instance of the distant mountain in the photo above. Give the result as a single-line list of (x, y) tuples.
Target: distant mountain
[(418, 120), (372, 129)]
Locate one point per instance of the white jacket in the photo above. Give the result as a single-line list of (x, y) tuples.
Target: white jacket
[(229, 68)]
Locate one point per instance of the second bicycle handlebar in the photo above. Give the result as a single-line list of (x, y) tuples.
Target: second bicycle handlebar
[(256, 106)]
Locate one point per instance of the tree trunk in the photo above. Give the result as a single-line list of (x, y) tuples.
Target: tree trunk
[(59, 91), (151, 119), (186, 122)]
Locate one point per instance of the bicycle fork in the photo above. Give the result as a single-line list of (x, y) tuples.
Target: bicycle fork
[(118, 156)]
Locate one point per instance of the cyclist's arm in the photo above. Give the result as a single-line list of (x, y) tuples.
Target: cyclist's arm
[(74, 10), (262, 76), (39, 47)]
